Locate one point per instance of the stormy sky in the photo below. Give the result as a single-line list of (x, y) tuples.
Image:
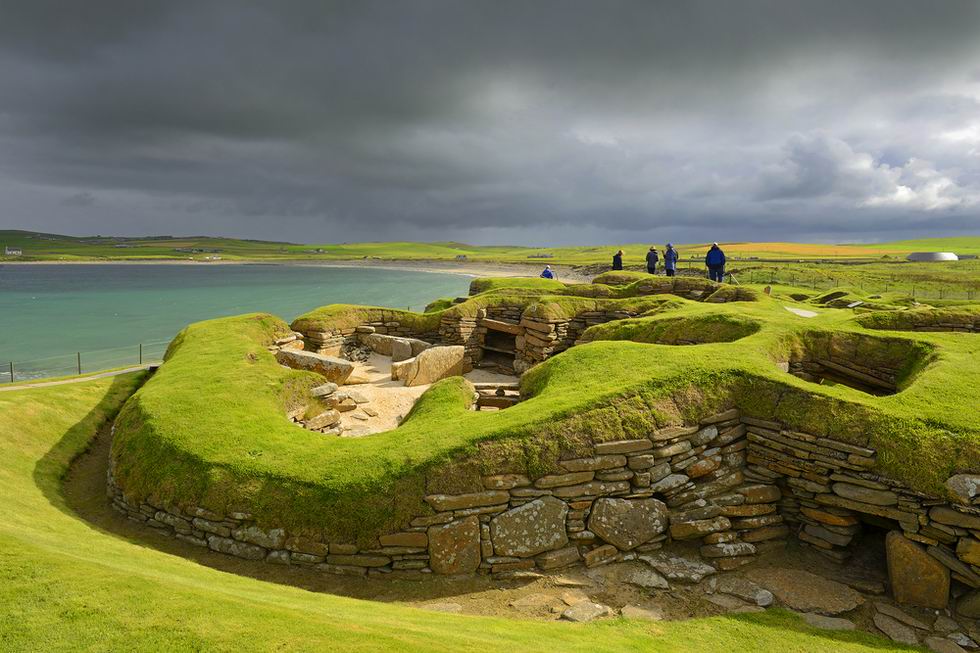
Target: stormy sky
[(492, 121)]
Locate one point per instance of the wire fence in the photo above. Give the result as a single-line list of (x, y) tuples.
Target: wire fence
[(82, 362), (822, 281), (867, 286)]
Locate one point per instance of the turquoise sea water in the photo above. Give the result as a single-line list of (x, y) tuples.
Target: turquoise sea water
[(50, 312)]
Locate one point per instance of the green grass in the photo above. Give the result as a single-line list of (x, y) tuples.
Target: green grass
[(209, 428), (69, 248), (68, 586)]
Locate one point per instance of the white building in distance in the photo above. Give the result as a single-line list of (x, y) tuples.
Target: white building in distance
[(928, 257)]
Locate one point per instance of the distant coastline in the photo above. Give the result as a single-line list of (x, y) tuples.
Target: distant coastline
[(463, 268)]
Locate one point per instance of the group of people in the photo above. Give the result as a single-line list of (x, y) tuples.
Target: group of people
[(714, 260)]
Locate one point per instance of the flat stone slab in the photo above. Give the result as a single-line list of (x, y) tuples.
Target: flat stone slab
[(644, 614), (827, 623), (806, 592), (585, 611), (802, 312), (677, 568), (895, 630), (335, 370), (743, 589)]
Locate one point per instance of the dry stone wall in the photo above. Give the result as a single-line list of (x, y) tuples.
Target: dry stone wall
[(627, 498), (830, 491), (732, 485)]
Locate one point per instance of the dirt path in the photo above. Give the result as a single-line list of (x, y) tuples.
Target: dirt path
[(76, 379)]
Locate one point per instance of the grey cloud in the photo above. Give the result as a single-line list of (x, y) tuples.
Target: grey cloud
[(542, 121)]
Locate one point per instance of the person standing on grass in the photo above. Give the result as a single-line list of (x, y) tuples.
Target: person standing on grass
[(652, 258), (670, 260), (618, 260), (547, 273), (715, 260)]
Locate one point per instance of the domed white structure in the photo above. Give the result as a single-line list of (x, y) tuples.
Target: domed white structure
[(932, 256)]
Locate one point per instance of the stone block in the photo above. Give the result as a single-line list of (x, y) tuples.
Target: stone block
[(697, 529), (530, 529), (865, 495), (446, 502), (558, 558), (454, 548), (434, 364), (628, 523), (916, 577), (336, 370)]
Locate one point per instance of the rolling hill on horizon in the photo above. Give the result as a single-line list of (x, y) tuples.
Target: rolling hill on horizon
[(38, 246)]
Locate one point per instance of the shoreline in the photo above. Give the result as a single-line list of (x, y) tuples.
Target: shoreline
[(468, 268)]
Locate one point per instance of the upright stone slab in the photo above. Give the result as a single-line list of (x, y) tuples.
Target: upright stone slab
[(401, 350), (530, 529), (916, 577), (628, 523), (434, 364), (455, 547)]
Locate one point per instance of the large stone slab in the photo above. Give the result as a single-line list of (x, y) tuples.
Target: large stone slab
[(916, 577), (968, 550), (968, 605), (333, 369), (697, 529), (628, 523), (964, 487), (806, 592), (434, 364), (530, 529), (677, 568), (454, 548), (951, 517), (865, 495)]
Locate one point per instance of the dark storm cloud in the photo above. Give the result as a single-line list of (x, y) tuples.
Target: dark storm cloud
[(551, 121)]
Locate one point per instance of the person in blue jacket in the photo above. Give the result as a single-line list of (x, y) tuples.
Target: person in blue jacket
[(618, 260), (670, 260), (652, 259), (715, 260), (547, 273)]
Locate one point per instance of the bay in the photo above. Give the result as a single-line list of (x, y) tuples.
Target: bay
[(50, 312)]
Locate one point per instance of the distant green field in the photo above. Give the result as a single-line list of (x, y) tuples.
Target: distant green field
[(52, 247)]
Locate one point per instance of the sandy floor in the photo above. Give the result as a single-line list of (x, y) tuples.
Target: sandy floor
[(390, 400)]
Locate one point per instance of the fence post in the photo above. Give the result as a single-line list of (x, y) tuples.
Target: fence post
[(141, 353), (11, 371), (79, 355)]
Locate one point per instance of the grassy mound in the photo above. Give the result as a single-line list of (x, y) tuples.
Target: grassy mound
[(209, 429), (68, 586), (694, 330), (932, 319)]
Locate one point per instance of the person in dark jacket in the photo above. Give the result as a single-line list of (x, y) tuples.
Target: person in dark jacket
[(670, 260), (618, 260), (547, 273), (715, 260), (652, 258)]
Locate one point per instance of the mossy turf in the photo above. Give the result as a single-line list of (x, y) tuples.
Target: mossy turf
[(209, 428), (67, 586)]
